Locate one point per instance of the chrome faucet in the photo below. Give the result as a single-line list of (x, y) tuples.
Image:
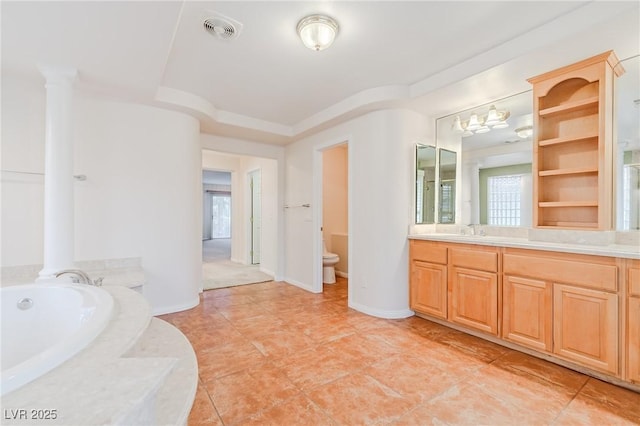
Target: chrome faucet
[(80, 277), (476, 229)]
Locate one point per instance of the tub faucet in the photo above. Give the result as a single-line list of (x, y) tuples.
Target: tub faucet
[(80, 277)]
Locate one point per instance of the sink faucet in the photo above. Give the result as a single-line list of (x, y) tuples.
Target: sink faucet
[(80, 277), (476, 229)]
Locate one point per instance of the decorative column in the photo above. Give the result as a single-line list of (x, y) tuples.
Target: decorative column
[(58, 176)]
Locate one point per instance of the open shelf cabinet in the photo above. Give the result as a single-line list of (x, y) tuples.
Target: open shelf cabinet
[(573, 145)]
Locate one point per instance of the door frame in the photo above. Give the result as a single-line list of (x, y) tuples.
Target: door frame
[(249, 210), (317, 285)]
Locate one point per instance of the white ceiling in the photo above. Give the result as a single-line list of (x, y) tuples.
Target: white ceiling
[(265, 85)]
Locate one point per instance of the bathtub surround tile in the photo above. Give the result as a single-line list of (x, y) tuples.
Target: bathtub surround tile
[(273, 354)]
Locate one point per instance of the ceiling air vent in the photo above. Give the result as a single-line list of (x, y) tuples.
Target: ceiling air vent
[(222, 27)]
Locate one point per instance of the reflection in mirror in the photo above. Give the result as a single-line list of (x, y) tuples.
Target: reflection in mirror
[(425, 183), (447, 180), (495, 141), (627, 98)]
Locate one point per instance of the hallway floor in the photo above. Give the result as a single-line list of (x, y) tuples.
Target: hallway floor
[(215, 250), (273, 354)]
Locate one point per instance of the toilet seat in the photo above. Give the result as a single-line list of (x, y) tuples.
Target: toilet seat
[(329, 256)]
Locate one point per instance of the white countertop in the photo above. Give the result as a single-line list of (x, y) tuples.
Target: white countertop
[(612, 250)]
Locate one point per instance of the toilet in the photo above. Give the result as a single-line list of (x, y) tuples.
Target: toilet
[(329, 261)]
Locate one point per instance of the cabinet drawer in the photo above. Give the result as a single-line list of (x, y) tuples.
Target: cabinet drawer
[(602, 277), (429, 252), (633, 276), (474, 259)]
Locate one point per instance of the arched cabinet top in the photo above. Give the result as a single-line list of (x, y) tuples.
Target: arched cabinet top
[(545, 83)]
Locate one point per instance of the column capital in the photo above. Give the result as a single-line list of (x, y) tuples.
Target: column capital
[(58, 75)]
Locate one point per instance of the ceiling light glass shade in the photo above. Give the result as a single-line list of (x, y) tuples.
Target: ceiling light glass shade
[(493, 117), (524, 132), (467, 133), (457, 125), (317, 32), (474, 124), (483, 129)]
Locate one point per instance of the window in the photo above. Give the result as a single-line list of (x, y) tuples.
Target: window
[(220, 216), (504, 200)]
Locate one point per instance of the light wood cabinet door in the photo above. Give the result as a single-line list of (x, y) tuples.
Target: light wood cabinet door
[(527, 316), (633, 358), (473, 299), (429, 288), (586, 327), (633, 321)]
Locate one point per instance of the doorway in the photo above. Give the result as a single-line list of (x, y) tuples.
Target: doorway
[(332, 217), (216, 227), (254, 220)]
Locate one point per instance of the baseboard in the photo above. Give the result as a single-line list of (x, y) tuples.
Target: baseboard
[(267, 271), (380, 313), (342, 274), (300, 284)]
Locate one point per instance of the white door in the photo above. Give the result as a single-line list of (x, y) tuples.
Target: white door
[(255, 189)]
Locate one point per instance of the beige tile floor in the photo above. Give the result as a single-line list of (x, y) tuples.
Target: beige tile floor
[(273, 354)]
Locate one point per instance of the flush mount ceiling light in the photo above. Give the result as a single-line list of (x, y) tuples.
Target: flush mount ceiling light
[(317, 32), (494, 119)]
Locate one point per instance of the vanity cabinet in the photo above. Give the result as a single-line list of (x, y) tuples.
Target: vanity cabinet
[(566, 304), (633, 321), (574, 309), (573, 144), (527, 312), (428, 269), (586, 327), (473, 287)]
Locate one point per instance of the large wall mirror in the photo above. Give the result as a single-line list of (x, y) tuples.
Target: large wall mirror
[(627, 102), (493, 143)]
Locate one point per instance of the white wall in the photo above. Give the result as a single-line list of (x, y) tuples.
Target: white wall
[(381, 152), (23, 124), (240, 166), (143, 181)]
